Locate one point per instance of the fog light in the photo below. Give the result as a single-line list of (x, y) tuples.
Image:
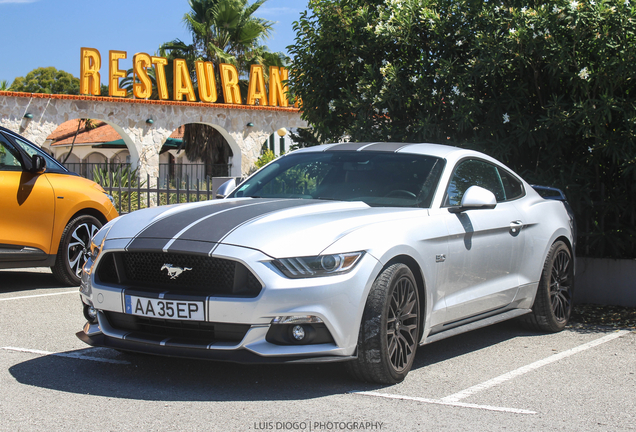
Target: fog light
[(298, 332), (90, 313)]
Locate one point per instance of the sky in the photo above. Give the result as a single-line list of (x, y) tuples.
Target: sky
[(42, 33)]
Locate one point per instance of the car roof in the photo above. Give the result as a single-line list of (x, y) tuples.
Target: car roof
[(439, 150)]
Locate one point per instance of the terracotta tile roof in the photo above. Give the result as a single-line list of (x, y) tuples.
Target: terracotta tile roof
[(64, 134), (102, 133)]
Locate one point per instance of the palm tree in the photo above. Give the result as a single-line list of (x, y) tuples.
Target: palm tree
[(4, 85), (223, 31), (227, 32)]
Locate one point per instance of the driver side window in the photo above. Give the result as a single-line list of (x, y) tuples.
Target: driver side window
[(8, 159), (474, 172)]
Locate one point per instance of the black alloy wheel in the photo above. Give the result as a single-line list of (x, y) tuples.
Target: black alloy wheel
[(561, 286), (554, 299), (390, 329), (402, 326)]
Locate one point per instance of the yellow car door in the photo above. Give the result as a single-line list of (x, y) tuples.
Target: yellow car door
[(27, 209)]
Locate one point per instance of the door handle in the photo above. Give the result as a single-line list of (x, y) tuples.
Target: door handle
[(515, 227)]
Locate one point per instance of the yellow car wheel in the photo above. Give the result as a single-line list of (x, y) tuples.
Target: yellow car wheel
[(74, 249)]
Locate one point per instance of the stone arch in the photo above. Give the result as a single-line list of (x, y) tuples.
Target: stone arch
[(144, 125), (130, 145), (71, 159), (96, 157), (231, 141), (120, 156)]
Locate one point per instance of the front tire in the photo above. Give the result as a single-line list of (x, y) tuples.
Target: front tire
[(553, 303), (74, 249), (390, 328)]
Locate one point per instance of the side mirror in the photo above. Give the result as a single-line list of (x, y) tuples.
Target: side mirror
[(225, 189), (475, 198), (38, 164)]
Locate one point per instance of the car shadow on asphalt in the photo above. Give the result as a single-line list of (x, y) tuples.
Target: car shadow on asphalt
[(157, 378), (24, 280)]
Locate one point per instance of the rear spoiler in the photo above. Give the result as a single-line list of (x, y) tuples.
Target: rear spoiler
[(547, 192), (552, 193)]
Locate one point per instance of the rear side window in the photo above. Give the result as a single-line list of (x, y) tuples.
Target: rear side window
[(512, 187)]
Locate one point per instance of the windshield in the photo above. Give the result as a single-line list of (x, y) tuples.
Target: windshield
[(376, 178)]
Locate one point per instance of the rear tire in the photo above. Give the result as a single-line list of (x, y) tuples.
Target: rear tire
[(553, 303), (390, 328), (74, 249)]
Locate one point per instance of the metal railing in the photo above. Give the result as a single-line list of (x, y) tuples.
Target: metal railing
[(192, 173), (168, 173), (138, 194), (89, 169)]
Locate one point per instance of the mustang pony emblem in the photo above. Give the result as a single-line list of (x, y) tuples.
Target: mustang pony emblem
[(173, 271)]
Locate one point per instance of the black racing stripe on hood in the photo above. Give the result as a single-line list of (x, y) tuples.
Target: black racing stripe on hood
[(217, 227), (170, 226)]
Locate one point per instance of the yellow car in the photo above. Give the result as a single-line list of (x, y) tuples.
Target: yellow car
[(48, 214)]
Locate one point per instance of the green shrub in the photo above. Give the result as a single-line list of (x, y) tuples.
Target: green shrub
[(546, 87)]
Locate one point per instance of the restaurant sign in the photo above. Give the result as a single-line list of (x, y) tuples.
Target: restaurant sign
[(257, 93)]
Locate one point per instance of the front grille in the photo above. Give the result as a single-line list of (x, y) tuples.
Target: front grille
[(178, 273), (197, 332)]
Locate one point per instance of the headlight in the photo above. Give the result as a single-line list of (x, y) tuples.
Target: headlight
[(112, 200), (316, 266)]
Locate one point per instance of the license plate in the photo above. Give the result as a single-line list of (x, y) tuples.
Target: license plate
[(168, 309)]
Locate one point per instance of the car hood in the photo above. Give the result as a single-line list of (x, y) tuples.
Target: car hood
[(276, 227)]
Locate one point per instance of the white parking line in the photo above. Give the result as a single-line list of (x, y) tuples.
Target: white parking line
[(528, 368), (442, 402), (453, 400), (67, 355), (39, 295)]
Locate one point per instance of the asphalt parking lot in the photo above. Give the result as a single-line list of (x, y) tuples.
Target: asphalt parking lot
[(498, 378)]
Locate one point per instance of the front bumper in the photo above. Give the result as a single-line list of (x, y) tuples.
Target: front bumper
[(239, 355), (337, 300)]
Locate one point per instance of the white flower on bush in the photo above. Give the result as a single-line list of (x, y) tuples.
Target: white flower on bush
[(584, 74), (574, 4), (513, 31), (331, 106), (413, 79), (556, 10), (434, 92), (455, 90), (360, 60), (506, 118)]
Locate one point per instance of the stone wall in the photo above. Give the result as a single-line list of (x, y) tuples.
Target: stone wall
[(605, 281), (129, 118)]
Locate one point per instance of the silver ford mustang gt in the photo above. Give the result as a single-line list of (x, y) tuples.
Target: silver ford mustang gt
[(356, 252)]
